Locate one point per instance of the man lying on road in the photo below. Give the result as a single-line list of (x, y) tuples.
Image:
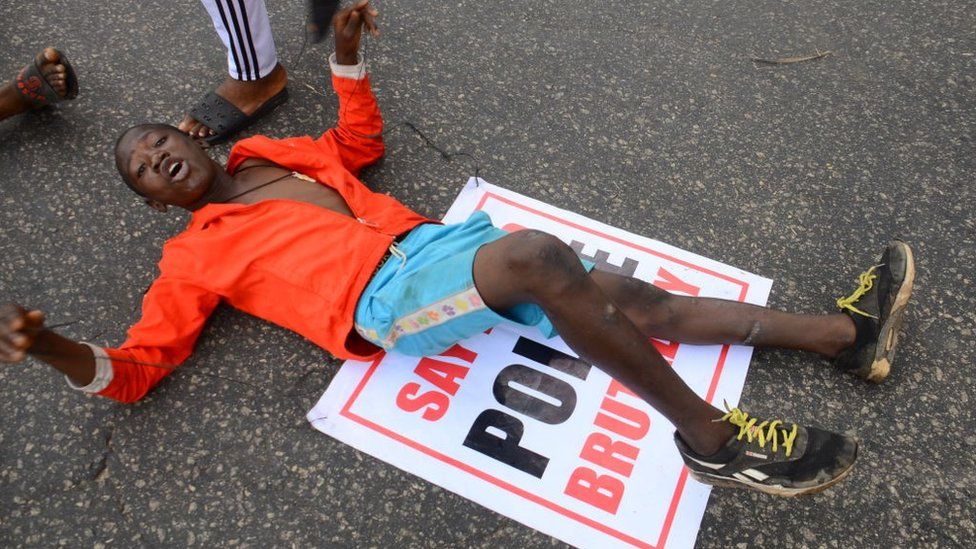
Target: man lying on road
[(287, 232)]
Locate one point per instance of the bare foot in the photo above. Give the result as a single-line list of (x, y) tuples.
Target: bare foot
[(246, 96), (13, 102)]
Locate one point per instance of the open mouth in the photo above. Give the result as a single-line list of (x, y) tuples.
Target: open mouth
[(177, 170)]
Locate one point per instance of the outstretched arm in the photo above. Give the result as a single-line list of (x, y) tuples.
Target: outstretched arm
[(358, 138), (174, 313), (22, 332)]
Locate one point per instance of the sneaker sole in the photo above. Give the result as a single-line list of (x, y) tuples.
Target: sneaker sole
[(884, 353), (726, 482)]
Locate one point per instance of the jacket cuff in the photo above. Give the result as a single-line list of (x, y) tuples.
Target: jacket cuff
[(103, 372), (355, 72)]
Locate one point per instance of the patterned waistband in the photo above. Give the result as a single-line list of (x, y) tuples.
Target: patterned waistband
[(430, 316)]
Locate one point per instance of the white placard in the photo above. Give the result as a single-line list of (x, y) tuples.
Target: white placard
[(554, 444)]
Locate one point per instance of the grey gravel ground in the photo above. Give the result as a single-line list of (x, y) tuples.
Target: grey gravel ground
[(649, 115)]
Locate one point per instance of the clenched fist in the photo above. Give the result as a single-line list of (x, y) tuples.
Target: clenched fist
[(18, 330), (348, 25)]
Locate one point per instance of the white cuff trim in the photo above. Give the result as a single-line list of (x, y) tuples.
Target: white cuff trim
[(103, 372), (355, 72)]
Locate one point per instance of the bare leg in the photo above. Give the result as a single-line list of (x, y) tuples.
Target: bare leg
[(537, 267), (12, 102), (660, 314)]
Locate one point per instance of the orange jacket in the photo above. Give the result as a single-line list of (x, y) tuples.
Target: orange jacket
[(294, 264)]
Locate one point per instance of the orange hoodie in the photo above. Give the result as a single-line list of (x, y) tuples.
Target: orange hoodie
[(295, 264)]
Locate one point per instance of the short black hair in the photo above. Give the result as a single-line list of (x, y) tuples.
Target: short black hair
[(118, 143)]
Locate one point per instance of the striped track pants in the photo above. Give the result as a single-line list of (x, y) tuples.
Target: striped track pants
[(245, 29)]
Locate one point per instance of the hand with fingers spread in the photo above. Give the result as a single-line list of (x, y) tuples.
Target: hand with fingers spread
[(18, 330), (348, 25)]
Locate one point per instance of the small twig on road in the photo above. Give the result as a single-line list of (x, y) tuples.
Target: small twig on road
[(314, 89), (790, 60)]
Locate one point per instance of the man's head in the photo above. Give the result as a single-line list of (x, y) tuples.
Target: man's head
[(164, 165)]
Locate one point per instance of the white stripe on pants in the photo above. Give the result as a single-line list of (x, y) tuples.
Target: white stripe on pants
[(245, 29)]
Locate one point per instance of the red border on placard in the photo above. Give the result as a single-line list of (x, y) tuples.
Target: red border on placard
[(682, 478)]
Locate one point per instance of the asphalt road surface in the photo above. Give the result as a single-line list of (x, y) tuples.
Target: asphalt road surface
[(647, 115)]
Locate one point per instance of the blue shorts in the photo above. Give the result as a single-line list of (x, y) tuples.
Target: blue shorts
[(424, 303)]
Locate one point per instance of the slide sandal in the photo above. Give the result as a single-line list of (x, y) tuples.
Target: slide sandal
[(221, 116), (38, 92)]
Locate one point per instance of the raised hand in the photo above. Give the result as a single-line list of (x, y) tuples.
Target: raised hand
[(348, 25)]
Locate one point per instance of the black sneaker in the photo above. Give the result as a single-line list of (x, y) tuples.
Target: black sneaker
[(877, 308), (772, 457)]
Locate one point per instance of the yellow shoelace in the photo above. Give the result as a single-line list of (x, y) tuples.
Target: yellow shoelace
[(748, 428), (866, 280)]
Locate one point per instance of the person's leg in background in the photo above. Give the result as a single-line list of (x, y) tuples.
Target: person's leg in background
[(48, 81), (255, 76)]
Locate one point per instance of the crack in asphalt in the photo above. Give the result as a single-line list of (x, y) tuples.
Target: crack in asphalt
[(100, 466)]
